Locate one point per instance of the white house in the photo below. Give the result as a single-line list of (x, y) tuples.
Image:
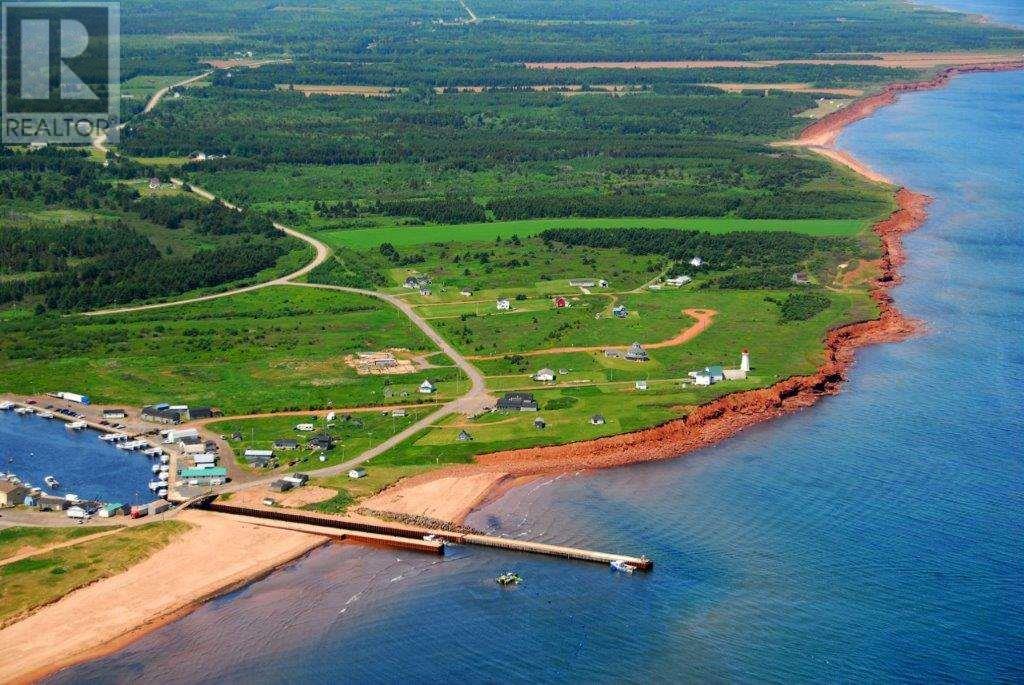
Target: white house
[(702, 378), (544, 376), (678, 281), (640, 385), (697, 262), (503, 304), (427, 388)]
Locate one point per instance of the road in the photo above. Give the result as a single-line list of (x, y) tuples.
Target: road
[(159, 95), (472, 16)]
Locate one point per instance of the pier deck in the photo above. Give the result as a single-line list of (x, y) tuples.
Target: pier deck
[(400, 535)]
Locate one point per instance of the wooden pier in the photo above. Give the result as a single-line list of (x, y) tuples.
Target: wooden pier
[(412, 537)]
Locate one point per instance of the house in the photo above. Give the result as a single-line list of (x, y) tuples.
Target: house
[(114, 413), (261, 462), (399, 413), (358, 472), (464, 436), (636, 353), (620, 312), (560, 302), (257, 454), (517, 401), (12, 494), (322, 442), (286, 444), (596, 420), (417, 282), (427, 388), (503, 304), (197, 156), (425, 292), (154, 183), (539, 423), (466, 293), (697, 262), (544, 376), (640, 385), (601, 283), (678, 281), (702, 378), (800, 278)]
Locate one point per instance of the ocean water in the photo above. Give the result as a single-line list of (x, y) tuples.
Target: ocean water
[(876, 537), (33, 448)]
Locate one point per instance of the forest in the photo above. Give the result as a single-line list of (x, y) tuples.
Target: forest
[(104, 258)]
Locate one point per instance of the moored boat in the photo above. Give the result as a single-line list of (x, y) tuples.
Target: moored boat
[(51, 482)]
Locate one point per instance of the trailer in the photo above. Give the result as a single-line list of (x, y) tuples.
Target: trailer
[(72, 397)]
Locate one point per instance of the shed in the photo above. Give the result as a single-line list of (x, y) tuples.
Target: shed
[(464, 436), (560, 302), (258, 453), (640, 385), (597, 420), (427, 388), (358, 472), (539, 423), (281, 486)]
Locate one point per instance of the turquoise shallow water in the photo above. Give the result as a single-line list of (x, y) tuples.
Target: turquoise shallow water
[(877, 536)]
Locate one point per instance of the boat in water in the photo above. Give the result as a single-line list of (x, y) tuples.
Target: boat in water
[(5, 405), (46, 415), (51, 482), (77, 425), (621, 566), (509, 578)]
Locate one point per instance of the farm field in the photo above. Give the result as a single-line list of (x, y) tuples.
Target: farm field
[(404, 236), (274, 349)]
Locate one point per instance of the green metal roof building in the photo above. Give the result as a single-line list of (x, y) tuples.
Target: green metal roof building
[(216, 472)]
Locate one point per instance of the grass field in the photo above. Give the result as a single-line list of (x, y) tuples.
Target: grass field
[(354, 434), (274, 349), (44, 578), (14, 540), (403, 236)]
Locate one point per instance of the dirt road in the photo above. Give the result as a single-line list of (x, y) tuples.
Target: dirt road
[(703, 320), (159, 95)]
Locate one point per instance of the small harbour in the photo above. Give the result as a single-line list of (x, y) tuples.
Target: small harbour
[(32, 448)]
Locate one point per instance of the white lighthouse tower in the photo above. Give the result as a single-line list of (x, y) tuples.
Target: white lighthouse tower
[(745, 361)]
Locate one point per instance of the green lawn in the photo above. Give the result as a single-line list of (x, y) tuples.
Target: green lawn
[(44, 578), (274, 349), (402, 236)]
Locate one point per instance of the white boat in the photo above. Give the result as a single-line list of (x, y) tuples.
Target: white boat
[(163, 476), (51, 482), (108, 437), (77, 425), (621, 566), (156, 468), (71, 497), (153, 452), (162, 492), (5, 405), (164, 459), (45, 415), (164, 468), (21, 411), (156, 485)]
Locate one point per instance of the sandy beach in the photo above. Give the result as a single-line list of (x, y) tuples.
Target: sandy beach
[(218, 555)]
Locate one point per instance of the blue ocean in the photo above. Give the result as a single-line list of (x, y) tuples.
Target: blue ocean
[(875, 537)]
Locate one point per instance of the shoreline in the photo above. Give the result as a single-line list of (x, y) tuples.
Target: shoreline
[(32, 654), (715, 421)]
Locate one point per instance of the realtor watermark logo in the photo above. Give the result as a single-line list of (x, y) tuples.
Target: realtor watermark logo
[(61, 72)]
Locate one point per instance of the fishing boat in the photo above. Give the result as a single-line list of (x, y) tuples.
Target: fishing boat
[(509, 578), (162, 492), (5, 405), (45, 415), (77, 425), (21, 411), (621, 566), (156, 485), (51, 482), (156, 468)]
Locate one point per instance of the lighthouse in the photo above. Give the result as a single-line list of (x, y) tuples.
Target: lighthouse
[(745, 361)]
